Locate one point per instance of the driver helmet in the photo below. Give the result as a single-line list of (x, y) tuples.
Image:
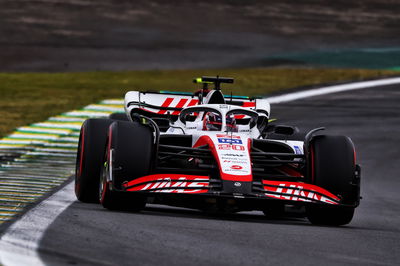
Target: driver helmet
[(212, 122), (231, 124)]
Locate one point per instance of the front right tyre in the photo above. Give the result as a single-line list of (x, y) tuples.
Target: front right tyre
[(332, 166)]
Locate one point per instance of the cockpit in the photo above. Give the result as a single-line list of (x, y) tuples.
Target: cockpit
[(218, 117)]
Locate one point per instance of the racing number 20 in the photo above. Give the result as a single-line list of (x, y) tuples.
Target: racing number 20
[(229, 146)]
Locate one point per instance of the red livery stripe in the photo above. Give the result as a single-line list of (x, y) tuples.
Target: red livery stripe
[(166, 103), (249, 104), (193, 102), (180, 104)]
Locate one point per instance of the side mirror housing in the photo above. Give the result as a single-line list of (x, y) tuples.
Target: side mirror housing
[(284, 130)]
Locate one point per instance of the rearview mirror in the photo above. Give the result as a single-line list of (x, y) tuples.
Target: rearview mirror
[(284, 130)]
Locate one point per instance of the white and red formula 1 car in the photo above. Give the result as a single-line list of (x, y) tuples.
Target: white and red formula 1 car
[(214, 152)]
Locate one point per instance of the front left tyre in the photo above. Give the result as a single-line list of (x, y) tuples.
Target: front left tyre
[(129, 154)]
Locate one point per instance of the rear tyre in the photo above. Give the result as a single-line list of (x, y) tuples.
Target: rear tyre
[(332, 167), (130, 154), (90, 158), (118, 116)]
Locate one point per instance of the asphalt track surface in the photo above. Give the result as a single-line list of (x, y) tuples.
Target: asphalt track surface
[(87, 234)]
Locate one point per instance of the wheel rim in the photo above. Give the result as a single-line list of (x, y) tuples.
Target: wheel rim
[(103, 182), (103, 178)]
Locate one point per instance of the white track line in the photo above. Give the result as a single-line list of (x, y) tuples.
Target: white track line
[(19, 245), (332, 89)]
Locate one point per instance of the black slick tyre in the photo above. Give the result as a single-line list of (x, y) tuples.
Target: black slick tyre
[(89, 159), (129, 155), (118, 116), (332, 167)]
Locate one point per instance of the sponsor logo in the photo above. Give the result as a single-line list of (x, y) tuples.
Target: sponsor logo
[(229, 141), (236, 161), (227, 136), (232, 154), (166, 185), (293, 192), (235, 171), (236, 167), (297, 150)]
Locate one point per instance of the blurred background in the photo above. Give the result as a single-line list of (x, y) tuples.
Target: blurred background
[(86, 35)]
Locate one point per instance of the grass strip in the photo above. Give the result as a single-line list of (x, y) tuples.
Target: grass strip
[(32, 97)]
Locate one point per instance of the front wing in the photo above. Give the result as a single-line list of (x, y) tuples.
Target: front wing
[(204, 185)]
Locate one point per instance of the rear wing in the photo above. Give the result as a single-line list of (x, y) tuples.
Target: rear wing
[(164, 104)]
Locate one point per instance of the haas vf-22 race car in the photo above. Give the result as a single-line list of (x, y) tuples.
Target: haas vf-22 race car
[(214, 152)]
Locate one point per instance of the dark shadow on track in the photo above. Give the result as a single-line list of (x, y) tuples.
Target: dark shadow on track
[(249, 217)]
